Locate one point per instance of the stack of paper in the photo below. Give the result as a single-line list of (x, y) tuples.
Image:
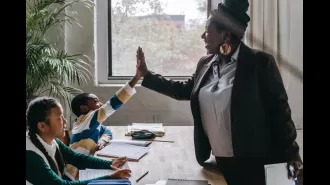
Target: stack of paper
[(115, 150), (156, 128)]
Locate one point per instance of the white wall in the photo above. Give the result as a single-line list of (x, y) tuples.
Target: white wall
[(145, 106), (293, 85)]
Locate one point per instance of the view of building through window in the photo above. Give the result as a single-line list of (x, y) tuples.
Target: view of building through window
[(169, 32)]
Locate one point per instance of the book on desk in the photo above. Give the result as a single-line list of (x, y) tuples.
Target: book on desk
[(186, 182), (115, 150), (134, 150)]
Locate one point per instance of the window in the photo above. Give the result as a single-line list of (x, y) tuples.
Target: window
[(169, 31)]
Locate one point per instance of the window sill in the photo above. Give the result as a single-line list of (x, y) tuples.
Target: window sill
[(117, 85), (120, 81)]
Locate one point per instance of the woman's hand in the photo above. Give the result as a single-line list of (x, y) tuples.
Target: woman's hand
[(121, 174), (141, 66)]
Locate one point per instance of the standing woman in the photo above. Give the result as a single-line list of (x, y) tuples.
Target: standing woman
[(46, 156), (238, 101)]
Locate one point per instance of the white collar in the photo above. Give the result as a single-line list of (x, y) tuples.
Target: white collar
[(51, 149), (235, 54)]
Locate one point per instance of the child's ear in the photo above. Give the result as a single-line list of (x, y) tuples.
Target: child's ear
[(41, 126), (83, 108)]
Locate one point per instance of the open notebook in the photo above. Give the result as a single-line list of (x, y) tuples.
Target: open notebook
[(186, 182), (95, 173), (115, 150)]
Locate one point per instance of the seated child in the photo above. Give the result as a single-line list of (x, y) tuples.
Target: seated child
[(46, 155), (88, 133)]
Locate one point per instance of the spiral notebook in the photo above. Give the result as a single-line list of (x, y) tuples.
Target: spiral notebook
[(186, 182)]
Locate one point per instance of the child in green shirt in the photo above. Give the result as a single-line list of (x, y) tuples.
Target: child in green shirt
[(46, 156)]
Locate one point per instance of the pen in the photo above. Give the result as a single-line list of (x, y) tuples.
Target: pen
[(142, 176), (163, 141), (292, 174), (168, 141)]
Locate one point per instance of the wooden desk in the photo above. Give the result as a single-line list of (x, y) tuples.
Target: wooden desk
[(170, 160)]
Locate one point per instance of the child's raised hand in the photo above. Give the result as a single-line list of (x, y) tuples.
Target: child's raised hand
[(141, 66), (121, 174)]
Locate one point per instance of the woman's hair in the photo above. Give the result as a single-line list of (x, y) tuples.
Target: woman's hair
[(220, 28), (38, 111)]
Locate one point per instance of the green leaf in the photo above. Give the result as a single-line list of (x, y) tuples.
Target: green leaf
[(50, 70), (58, 90)]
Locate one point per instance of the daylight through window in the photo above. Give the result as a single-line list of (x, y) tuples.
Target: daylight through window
[(169, 31)]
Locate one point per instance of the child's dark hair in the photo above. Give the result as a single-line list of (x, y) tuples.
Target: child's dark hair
[(77, 101), (38, 111)]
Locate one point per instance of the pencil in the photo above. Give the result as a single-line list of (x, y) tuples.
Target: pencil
[(142, 176), (163, 141)]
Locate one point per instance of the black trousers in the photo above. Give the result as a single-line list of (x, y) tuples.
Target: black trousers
[(238, 171)]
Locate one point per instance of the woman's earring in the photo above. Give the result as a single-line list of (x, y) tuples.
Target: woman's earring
[(225, 49)]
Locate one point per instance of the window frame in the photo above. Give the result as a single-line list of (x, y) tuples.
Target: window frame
[(103, 48)]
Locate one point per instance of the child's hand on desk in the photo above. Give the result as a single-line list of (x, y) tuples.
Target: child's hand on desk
[(101, 144), (121, 174), (117, 163)]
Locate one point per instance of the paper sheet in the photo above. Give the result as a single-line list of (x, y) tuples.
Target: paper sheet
[(95, 173), (152, 127), (92, 174), (131, 142), (276, 174), (119, 150), (160, 182)]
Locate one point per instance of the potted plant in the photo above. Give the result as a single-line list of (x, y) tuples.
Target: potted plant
[(48, 69)]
